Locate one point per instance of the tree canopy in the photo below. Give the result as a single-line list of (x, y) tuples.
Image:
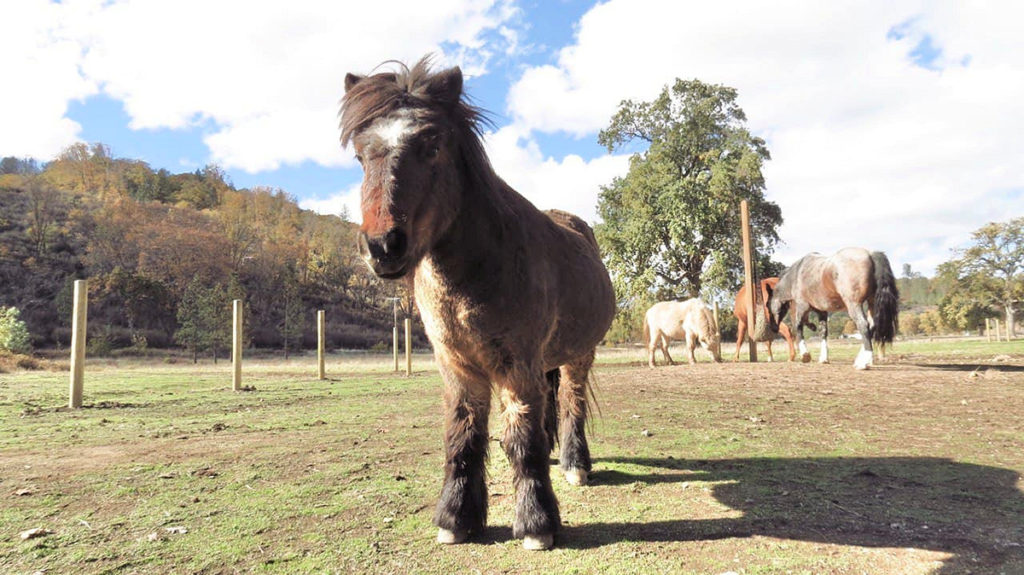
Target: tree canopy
[(671, 226), (988, 275)]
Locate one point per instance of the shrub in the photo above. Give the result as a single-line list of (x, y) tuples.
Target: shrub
[(14, 335)]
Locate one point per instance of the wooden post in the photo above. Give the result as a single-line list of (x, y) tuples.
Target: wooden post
[(236, 347), (718, 330), (748, 273), (321, 336), (78, 321), (408, 346), (394, 345), (988, 329), (996, 321)]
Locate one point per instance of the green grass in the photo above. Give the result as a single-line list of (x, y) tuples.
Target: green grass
[(913, 467)]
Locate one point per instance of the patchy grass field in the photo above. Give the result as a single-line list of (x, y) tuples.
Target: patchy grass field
[(913, 467)]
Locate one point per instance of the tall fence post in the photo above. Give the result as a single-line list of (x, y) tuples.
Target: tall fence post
[(748, 273), (236, 346), (78, 321), (321, 335), (996, 321), (408, 346), (988, 329)]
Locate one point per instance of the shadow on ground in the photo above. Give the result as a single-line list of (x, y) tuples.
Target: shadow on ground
[(973, 512)]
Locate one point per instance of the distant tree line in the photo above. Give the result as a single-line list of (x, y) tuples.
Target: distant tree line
[(165, 253)]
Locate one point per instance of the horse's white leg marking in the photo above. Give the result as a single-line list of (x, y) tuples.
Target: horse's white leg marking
[(824, 351), (447, 537), (865, 359), (805, 355), (576, 477), (538, 542)]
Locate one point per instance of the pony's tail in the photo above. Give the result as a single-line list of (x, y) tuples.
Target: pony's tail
[(887, 301), (647, 333)]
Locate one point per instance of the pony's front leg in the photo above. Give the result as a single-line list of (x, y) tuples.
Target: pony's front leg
[(801, 310), (768, 344), (526, 445), (462, 509), (823, 317), (784, 330), (691, 347)]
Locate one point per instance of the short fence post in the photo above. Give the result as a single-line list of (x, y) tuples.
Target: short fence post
[(78, 323), (236, 346), (408, 347), (988, 329), (996, 321), (321, 333)]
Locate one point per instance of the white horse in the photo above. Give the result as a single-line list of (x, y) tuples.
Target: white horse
[(688, 320)]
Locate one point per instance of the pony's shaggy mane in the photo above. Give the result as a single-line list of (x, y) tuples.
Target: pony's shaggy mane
[(380, 95)]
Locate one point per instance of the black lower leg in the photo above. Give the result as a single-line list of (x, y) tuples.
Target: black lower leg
[(463, 504), (528, 450)]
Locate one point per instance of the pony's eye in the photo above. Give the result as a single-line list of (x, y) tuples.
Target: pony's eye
[(359, 159), (431, 150)]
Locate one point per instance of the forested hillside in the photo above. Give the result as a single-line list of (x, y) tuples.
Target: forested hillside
[(162, 251)]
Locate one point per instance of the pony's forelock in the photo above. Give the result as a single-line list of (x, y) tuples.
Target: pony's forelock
[(381, 94)]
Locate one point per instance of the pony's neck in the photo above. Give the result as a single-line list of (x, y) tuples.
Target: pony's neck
[(466, 252)]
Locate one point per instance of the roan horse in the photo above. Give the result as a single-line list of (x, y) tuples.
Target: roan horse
[(761, 312), (513, 299), (688, 320), (843, 281)]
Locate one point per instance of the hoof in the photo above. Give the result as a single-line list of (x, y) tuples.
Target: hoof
[(577, 477), (861, 367), (805, 358), (538, 542), (823, 361), (446, 537)]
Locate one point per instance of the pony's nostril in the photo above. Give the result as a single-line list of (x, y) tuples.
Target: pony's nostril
[(395, 243)]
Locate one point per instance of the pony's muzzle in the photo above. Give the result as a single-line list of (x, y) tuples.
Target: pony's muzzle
[(385, 253)]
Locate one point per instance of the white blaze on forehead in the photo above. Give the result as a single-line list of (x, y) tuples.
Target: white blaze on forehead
[(393, 130)]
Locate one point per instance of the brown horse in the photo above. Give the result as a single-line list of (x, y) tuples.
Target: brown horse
[(514, 300), (844, 281), (761, 303), (688, 320)]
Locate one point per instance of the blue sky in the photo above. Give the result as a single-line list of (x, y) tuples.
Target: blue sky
[(897, 128)]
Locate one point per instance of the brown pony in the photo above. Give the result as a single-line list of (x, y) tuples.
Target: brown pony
[(843, 281), (761, 307), (514, 300)]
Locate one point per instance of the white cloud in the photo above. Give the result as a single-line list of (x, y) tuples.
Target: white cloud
[(868, 147), (267, 75), (569, 184), (42, 76), (344, 200)]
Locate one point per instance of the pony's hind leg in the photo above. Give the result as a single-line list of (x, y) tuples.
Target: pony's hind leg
[(768, 344), (526, 444), (574, 459), (741, 330), (462, 509), (865, 357), (664, 348)]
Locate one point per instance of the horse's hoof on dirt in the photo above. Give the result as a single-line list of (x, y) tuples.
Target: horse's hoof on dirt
[(538, 542), (446, 537), (577, 477), (823, 361), (805, 358), (862, 367)]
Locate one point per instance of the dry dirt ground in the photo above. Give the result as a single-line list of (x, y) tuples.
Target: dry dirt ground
[(912, 467)]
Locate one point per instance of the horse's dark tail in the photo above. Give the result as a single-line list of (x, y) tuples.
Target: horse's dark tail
[(887, 301), (554, 377)]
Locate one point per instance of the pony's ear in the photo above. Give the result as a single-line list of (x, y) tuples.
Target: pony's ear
[(351, 80), (446, 86)]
